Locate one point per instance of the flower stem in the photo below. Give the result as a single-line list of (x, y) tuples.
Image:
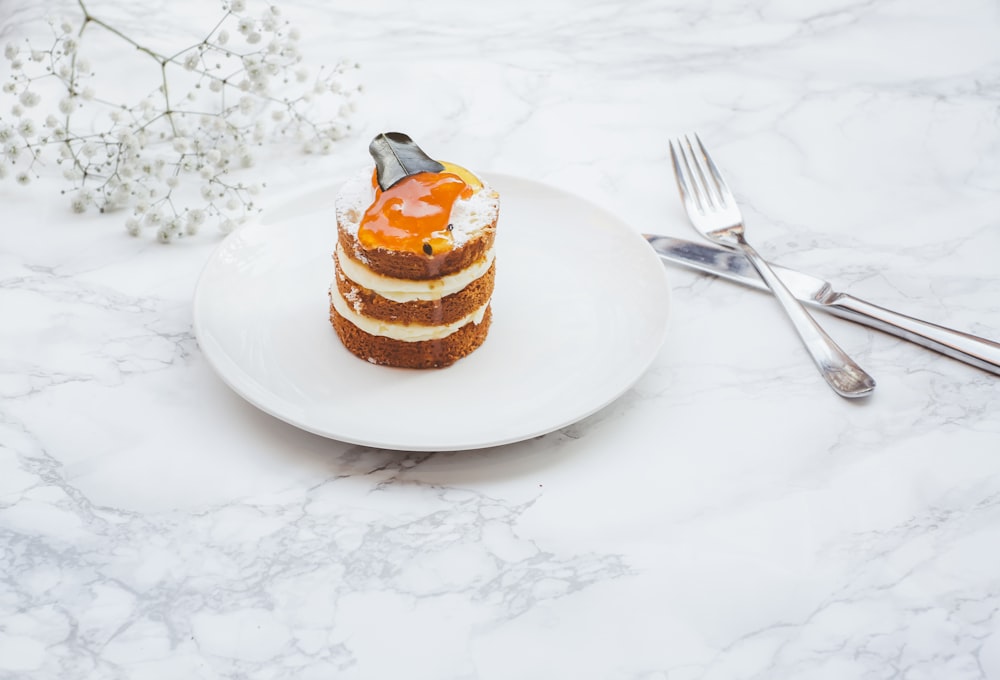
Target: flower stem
[(162, 60)]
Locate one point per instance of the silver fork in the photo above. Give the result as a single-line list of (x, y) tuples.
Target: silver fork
[(713, 212)]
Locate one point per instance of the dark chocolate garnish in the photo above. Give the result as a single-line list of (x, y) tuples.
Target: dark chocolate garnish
[(397, 156)]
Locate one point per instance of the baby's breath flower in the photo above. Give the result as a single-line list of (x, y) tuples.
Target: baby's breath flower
[(150, 148), (153, 217)]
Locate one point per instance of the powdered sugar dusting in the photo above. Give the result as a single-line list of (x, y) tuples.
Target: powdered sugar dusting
[(470, 216), (354, 299), (353, 199)]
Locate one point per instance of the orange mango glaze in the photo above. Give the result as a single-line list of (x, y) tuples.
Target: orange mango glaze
[(413, 215)]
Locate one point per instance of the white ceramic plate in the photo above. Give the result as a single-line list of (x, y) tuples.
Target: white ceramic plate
[(580, 310)]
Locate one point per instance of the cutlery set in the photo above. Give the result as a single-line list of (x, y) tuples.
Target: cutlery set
[(713, 212)]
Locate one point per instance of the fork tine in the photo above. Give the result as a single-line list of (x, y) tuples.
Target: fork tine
[(701, 176), (682, 173), (695, 178), (725, 195)]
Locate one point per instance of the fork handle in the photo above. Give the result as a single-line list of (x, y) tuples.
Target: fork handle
[(838, 369)]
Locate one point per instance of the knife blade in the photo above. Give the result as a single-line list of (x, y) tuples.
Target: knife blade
[(820, 294)]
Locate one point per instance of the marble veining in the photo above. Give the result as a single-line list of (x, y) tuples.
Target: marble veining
[(726, 518)]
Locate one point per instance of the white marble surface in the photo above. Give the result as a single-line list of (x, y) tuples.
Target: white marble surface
[(728, 517)]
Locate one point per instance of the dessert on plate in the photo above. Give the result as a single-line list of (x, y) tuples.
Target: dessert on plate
[(414, 263)]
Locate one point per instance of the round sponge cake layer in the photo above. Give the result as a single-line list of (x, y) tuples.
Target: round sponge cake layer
[(386, 351), (445, 310), (474, 232)]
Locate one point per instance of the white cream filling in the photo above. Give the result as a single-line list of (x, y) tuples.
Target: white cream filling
[(408, 290), (399, 331)]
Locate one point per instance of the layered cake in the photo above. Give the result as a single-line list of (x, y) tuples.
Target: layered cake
[(414, 263)]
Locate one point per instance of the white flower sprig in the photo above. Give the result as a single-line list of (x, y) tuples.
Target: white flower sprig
[(167, 158)]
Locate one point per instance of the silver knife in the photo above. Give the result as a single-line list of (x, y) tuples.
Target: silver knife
[(816, 292)]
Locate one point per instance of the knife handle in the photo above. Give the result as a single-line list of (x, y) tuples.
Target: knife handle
[(971, 349)]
